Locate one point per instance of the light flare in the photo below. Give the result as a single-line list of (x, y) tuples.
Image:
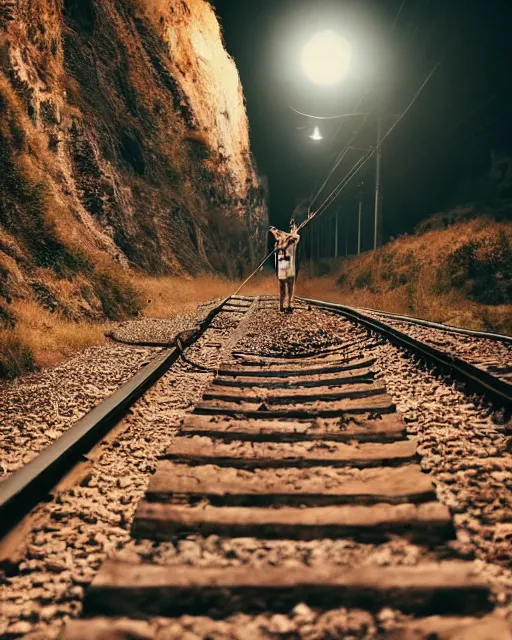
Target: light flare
[(316, 135), (326, 58)]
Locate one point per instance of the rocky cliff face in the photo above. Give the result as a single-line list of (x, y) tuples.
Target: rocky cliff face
[(123, 143)]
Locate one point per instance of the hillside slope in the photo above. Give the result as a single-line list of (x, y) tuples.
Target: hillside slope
[(123, 143), (461, 275)]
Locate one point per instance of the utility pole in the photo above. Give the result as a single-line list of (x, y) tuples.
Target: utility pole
[(377, 234), (360, 189), (346, 236), (359, 217), (336, 232)]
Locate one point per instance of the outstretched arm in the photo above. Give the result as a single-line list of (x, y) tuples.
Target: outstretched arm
[(278, 235), (293, 239)]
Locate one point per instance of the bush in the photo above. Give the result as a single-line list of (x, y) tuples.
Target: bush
[(322, 268), (363, 280), (483, 269), (118, 297), (15, 356)]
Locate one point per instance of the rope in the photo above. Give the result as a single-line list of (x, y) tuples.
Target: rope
[(176, 342), (195, 365), (137, 343), (253, 273)]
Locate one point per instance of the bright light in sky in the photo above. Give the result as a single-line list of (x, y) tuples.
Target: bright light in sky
[(326, 58), (316, 134)]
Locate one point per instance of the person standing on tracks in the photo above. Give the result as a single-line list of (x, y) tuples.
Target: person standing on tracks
[(286, 268)]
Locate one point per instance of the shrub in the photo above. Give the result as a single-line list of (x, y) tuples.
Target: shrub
[(15, 356), (483, 269), (118, 297), (322, 268), (363, 280)]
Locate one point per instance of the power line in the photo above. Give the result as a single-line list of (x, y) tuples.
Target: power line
[(342, 153), (404, 113), (397, 16), (339, 160), (425, 149), (362, 161), (337, 190), (337, 117), (334, 194)]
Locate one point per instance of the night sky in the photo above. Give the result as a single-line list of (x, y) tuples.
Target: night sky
[(438, 154)]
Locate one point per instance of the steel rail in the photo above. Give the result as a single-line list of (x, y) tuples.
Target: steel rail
[(480, 381), (443, 327), (28, 486)]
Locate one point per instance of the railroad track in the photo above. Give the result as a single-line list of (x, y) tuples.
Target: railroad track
[(303, 446), (489, 376), (489, 351)]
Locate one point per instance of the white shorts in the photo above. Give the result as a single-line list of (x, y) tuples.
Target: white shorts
[(285, 270)]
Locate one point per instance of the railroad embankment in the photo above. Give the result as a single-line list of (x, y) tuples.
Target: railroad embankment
[(459, 274), (124, 148)]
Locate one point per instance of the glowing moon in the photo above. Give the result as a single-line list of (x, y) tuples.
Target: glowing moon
[(326, 58)]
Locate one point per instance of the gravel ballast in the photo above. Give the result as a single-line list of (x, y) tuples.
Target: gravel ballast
[(91, 521), (38, 408), (84, 523), (476, 350)]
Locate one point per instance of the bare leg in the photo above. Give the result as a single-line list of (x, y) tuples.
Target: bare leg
[(282, 293), (291, 287)]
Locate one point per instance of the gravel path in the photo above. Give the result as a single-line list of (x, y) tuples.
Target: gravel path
[(153, 329)]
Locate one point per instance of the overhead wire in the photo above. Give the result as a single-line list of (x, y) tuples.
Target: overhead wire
[(432, 143), (404, 113), (341, 185), (336, 117), (362, 161), (353, 171), (339, 160), (344, 151), (397, 15)]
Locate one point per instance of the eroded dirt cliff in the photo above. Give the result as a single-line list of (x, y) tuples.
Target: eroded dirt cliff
[(123, 144)]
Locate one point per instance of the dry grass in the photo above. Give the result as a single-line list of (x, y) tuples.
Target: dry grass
[(43, 339), (170, 296), (453, 309), (15, 356), (450, 275), (48, 337), (460, 275)]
